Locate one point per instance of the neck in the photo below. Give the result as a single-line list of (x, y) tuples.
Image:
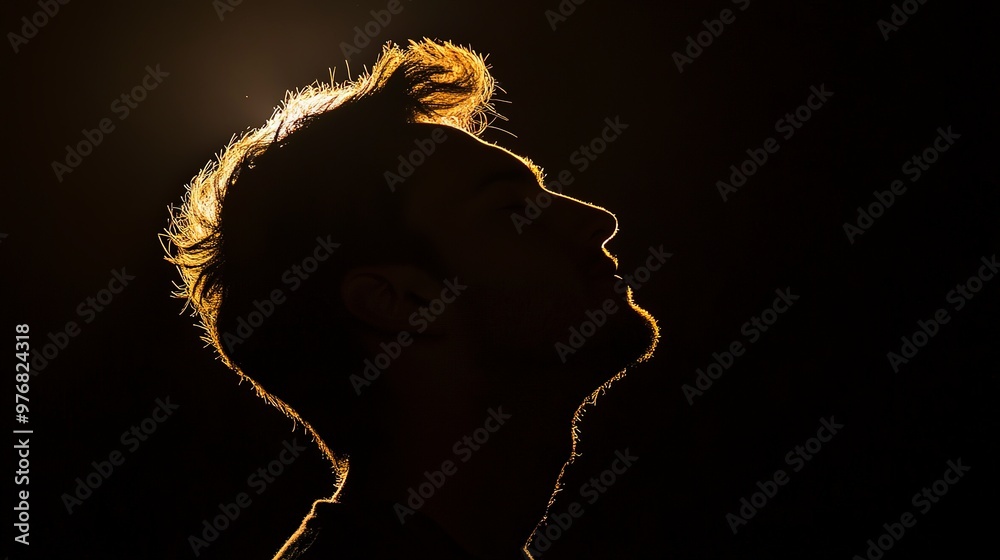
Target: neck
[(481, 463)]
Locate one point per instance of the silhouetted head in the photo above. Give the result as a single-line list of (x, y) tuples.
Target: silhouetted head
[(367, 214)]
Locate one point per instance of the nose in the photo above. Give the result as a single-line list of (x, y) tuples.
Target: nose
[(595, 225), (604, 225)]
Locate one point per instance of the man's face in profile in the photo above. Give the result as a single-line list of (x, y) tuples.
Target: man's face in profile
[(526, 288), (535, 323)]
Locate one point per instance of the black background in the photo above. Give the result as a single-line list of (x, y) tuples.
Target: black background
[(825, 357)]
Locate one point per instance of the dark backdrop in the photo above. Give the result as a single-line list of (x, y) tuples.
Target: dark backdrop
[(826, 356)]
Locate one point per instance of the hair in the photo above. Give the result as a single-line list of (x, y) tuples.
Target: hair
[(315, 168)]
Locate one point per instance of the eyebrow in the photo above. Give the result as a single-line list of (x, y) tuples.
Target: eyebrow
[(526, 171)]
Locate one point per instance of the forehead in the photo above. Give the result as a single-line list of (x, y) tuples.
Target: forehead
[(460, 166)]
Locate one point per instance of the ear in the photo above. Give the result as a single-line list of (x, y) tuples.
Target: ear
[(385, 297)]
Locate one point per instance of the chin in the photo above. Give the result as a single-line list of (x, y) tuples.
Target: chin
[(651, 329), (634, 338), (629, 337)]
